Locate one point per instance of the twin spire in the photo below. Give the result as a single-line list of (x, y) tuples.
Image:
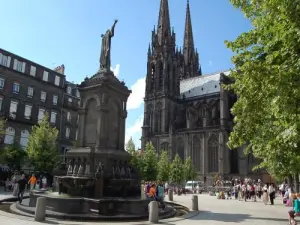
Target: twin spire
[(164, 29)]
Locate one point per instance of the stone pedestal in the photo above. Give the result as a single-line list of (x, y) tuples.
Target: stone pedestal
[(153, 212), (195, 202), (40, 209), (170, 194)]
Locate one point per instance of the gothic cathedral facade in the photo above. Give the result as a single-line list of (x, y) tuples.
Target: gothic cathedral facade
[(188, 113)]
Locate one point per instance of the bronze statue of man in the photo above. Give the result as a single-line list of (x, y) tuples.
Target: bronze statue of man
[(106, 47)]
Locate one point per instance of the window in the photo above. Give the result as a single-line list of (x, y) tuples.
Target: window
[(76, 135), (9, 136), (70, 100), (32, 70), (16, 88), (43, 96), (19, 66), (41, 114), (55, 98), (30, 92), (68, 116), (53, 117), (69, 90), (5, 60), (2, 82), (27, 112), (57, 80), (24, 138), (1, 101), (13, 109), (67, 132), (45, 76)]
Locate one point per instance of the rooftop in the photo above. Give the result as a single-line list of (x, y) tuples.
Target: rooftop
[(201, 85)]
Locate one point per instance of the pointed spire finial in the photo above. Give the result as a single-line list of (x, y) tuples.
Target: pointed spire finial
[(163, 28)]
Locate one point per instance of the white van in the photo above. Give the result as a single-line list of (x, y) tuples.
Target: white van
[(192, 184)]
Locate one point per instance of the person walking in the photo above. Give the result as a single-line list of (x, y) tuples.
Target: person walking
[(265, 194), (272, 193), (32, 181), (21, 187)]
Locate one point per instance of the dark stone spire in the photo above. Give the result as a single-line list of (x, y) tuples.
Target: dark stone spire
[(188, 42), (164, 28)]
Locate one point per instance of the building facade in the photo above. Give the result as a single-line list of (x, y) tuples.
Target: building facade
[(187, 113), (28, 91)]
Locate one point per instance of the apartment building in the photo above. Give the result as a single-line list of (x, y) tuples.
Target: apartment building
[(28, 91)]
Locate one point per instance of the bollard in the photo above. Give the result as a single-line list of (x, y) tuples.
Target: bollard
[(153, 212), (16, 189), (40, 209), (195, 202), (170, 194)]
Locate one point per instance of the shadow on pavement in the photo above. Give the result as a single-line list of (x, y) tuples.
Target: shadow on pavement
[(231, 217)]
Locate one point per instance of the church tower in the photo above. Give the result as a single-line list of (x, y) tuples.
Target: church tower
[(190, 54), (162, 81)]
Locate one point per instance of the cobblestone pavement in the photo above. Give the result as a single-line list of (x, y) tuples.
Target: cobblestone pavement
[(212, 212)]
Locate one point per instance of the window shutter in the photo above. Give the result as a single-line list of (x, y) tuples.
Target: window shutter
[(8, 61), (15, 64), (23, 67), (0, 58)]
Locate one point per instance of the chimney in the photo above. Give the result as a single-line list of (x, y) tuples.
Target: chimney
[(60, 69)]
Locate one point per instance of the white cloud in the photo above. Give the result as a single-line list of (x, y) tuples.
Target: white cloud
[(135, 131), (116, 70), (136, 98), (210, 63)]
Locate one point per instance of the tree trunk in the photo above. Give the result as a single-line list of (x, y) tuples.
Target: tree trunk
[(296, 182), (290, 182)]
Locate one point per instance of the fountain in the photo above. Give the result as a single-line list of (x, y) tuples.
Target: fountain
[(98, 183)]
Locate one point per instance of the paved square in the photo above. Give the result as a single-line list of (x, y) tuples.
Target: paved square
[(212, 212)]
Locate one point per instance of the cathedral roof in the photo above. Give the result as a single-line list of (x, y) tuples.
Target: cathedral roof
[(201, 85)]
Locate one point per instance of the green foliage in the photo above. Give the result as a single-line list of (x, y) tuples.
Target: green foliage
[(130, 148), (177, 170), (163, 167), (42, 147), (190, 172), (13, 156), (2, 126), (148, 163), (267, 78)]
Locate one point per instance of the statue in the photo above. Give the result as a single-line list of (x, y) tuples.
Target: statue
[(99, 168), (81, 168), (87, 169), (106, 47), (122, 170), (70, 168), (75, 169)]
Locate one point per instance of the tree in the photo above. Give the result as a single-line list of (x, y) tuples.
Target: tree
[(13, 156), (42, 146), (177, 170), (266, 81), (148, 163), (163, 167), (190, 172), (2, 126), (130, 148)]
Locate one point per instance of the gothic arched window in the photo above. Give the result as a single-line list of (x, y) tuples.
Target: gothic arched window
[(159, 117), (164, 147), (196, 153), (152, 77), (9, 136), (169, 76), (213, 155), (180, 148), (150, 113), (161, 76), (24, 138)]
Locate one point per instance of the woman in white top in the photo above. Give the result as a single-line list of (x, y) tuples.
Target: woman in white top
[(265, 194)]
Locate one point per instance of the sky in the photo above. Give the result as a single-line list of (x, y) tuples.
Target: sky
[(55, 32)]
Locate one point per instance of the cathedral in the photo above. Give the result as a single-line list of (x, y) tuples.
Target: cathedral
[(186, 112)]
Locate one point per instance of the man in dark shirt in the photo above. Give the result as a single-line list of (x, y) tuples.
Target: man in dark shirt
[(22, 187)]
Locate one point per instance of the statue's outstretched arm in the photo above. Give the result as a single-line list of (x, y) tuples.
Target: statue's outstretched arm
[(112, 30)]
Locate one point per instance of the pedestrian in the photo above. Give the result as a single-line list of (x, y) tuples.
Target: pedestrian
[(32, 181), (265, 194), (272, 193), (21, 187)]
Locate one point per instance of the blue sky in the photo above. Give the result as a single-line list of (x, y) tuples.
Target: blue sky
[(55, 32)]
